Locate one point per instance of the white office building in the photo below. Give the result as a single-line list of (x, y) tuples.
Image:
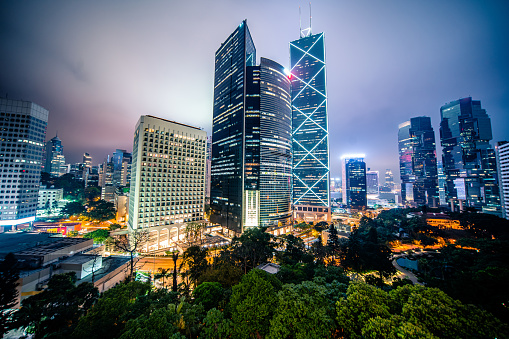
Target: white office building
[(22, 134), (167, 178)]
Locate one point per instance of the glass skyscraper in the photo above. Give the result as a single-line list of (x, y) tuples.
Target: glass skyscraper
[(469, 161), (227, 168), (354, 182), (54, 159), (309, 122), (23, 130), (418, 162), (251, 133)]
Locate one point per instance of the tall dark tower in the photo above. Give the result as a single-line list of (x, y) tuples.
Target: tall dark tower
[(227, 174), (418, 162), (309, 126), (251, 133), (469, 161)]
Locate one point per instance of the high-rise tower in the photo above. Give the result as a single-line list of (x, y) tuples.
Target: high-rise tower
[(418, 162), (55, 160), (251, 138), (23, 124), (309, 124), (227, 168), (354, 182), (469, 161), (502, 149)]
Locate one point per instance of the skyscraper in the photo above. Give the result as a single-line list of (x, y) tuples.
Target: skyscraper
[(55, 160), (227, 168), (268, 153), (23, 129), (389, 181), (372, 178), (354, 181), (468, 158), (309, 123), (418, 162), (121, 168), (441, 183), (502, 149), (168, 175)]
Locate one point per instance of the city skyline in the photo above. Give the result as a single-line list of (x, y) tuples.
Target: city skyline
[(382, 59)]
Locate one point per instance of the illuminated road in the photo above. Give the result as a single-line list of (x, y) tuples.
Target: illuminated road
[(149, 263)]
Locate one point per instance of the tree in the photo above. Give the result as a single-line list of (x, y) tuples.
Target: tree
[(253, 303), (295, 251), (99, 236), (57, 309), (195, 258), (175, 257), (209, 294), (73, 208), (252, 248), (131, 243), (92, 193), (9, 275), (116, 306), (113, 227), (216, 326), (101, 211), (302, 312), (163, 274), (333, 244)]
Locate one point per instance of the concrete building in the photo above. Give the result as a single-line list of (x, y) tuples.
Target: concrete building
[(168, 178), (49, 198), (22, 130)]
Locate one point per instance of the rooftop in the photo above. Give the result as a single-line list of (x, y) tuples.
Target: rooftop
[(19, 241)]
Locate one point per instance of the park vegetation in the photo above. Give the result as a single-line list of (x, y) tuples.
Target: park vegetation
[(341, 289)]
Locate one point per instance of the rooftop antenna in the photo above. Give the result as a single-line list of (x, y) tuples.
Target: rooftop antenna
[(300, 23), (310, 33)]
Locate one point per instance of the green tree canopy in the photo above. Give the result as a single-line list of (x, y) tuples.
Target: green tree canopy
[(99, 236), (9, 275)]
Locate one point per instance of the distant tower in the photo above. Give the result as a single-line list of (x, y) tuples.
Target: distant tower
[(469, 160), (418, 162), (21, 161), (208, 166), (354, 181), (309, 125), (55, 160), (372, 179)]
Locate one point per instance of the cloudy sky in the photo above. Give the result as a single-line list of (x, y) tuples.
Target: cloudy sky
[(98, 65)]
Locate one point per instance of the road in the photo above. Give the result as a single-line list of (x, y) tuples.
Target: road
[(406, 273)]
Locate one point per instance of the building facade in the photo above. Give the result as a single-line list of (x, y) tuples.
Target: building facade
[(251, 138), (354, 182), (168, 181), (468, 159), (418, 162), (310, 136), (372, 179), (48, 198), (502, 149), (236, 53), (121, 161), (208, 164), (268, 153), (54, 159), (23, 128)]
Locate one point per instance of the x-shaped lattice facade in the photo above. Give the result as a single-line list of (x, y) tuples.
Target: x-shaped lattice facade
[(309, 119)]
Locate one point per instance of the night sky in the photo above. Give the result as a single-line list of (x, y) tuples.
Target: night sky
[(98, 65)]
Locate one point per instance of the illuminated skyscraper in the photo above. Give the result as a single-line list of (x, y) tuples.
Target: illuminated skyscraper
[(354, 181), (469, 160), (23, 124), (227, 174), (309, 124), (372, 178), (251, 133), (418, 162), (54, 159)]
